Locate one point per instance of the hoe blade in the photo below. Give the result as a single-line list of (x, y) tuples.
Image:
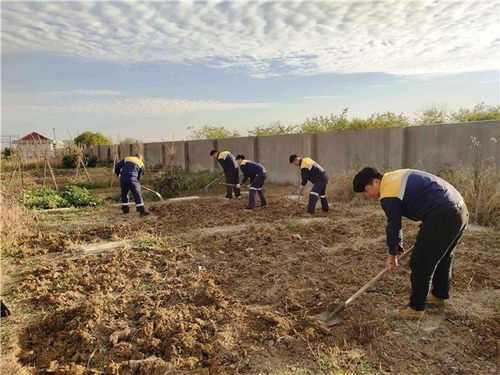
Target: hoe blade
[(331, 317)]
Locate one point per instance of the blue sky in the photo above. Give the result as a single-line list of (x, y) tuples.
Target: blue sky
[(149, 70)]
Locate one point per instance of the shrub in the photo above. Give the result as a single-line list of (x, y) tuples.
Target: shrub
[(70, 160), (431, 115), (273, 128), (480, 112), (90, 160), (212, 132), (89, 138), (174, 181), (7, 152)]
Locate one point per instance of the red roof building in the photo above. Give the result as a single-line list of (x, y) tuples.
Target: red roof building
[(34, 137)]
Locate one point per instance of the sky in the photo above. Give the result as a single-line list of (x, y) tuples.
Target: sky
[(150, 70)]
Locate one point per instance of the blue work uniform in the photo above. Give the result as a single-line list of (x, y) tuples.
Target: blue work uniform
[(313, 172), (257, 175), (230, 167), (130, 171), (421, 196)]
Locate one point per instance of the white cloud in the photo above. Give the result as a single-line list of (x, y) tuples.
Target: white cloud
[(266, 39), (84, 93), (144, 106)]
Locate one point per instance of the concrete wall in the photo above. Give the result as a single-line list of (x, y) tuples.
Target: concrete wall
[(241, 145), (153, 154), (430, 148), (435, 147), (124, 150), (104, 153), (274, 151), (199, 155), (343, 150), (175, 154), (94, 150)]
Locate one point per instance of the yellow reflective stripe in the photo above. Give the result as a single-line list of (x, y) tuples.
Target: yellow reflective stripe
[(135, 160), (223, 154), (393, 184), (243, 162), (306, 163)]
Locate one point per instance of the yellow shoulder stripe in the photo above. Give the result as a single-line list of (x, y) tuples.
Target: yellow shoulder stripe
[(223, 154), (393, 184), (306, 163), (135, 160)]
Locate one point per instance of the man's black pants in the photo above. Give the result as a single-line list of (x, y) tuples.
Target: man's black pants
[(318, 191), (433, 254), (233, 179), (135, 187)]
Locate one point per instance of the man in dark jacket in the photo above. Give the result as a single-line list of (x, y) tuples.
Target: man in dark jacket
[(230, 167), (130, 170), (419, 196), (312, 171), (257, 174)]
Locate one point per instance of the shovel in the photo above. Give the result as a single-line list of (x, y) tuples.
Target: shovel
[(213, 182), (331, 317), (241, 186), (152, 191)]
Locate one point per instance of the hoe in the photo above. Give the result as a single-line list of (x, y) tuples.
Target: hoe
[(152, 191), (331, 317)]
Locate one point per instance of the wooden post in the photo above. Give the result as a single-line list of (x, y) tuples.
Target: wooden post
[(52, 174), (113, 167)]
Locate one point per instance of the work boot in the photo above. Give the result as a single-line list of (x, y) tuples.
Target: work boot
[(5, 310), (324, 204), (434, 301), (145, 213), (408, 313)]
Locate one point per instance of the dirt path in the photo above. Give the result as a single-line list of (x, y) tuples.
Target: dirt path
[(209, 289)]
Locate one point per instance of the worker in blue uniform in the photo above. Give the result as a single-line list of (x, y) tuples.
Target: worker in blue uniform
[(315, 173), (130, 170), (419, 196), (257, 175), (231, 172)]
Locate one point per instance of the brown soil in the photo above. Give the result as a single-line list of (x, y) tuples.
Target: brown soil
[(244, 302)]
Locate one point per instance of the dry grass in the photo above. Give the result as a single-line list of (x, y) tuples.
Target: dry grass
[(340, 187), (332, 361), (480, 188), (16, 221)]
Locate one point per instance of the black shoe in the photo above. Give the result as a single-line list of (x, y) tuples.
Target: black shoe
[(5, 310), (263, 205), (145, 213), (124, 213)]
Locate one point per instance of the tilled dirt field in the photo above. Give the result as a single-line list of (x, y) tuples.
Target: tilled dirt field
[(208, 289)]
